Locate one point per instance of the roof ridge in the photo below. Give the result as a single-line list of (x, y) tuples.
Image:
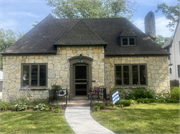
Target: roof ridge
[(87, 18), (93, 31), (67, 32)]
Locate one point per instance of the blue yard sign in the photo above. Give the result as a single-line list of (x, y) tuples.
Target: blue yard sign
[(115, 97)]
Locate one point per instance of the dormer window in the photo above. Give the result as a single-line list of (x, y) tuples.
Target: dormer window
[(128, 41)]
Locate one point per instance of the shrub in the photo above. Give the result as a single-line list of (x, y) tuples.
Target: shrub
[(140, 100), (146, 100), (123, 102), (169, 100), (21, 106), (135, 93), (175, 92), (162, 100), (141, 93), (152, 100), (57, 106), (101, 105), (120, 105), (40, 106), (57, 110), (37, 101), (110, 107), (133, 101), (4, 106), (96, 108), (118, 102), (47, 109)]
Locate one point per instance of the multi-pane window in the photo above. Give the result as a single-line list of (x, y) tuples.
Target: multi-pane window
[(128, 41), (130, 75), (34, 75)]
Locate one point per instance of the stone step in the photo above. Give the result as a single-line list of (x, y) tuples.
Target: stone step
[(80, 98)]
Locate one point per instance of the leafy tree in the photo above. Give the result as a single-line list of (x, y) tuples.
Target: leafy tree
[(171, 12), (161, 40), (35, 23), (7, 38), (93, 8)]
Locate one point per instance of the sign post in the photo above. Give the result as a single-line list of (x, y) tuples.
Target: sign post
[(115, 97)]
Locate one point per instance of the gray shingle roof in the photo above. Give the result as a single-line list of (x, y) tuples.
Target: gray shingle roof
[(80, 34), (49, 31), (127, 32), (168, 43)]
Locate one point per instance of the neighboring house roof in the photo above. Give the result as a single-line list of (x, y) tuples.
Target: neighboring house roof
[(168, 43), (40, 39)]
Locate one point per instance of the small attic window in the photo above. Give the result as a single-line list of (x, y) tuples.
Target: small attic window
[(128, 41)]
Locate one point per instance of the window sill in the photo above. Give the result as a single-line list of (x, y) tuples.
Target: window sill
[(129, 86), (36, 88)]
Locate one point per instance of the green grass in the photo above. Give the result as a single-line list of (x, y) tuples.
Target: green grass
[(34, 122), (141, 118)]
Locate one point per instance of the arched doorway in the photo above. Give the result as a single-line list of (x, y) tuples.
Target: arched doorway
[(80, 76)]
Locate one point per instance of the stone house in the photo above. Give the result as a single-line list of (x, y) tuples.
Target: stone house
[(173, 46), (81, 53)]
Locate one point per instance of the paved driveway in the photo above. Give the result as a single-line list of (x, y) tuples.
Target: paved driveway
[(81, 122)]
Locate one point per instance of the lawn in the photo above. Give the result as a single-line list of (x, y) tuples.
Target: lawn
[(34, 122), (141, 118)]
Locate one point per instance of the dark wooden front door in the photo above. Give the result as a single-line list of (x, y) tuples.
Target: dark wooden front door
[(80, 80)]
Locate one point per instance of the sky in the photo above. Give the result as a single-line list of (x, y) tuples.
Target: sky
[(20, 15)]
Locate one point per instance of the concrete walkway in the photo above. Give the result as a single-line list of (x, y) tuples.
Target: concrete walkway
[(81, 122)]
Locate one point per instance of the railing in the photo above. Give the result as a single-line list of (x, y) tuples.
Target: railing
[(100, 94), (56, 93), (174, 83)]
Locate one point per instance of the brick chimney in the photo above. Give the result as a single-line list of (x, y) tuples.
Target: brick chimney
[(149, 23)]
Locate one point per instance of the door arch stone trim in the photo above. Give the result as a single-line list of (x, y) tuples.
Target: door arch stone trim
[(74, 61)]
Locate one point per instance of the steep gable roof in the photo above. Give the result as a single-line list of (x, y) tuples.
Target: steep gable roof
[(80, 34), (126, 32), (49, 31)]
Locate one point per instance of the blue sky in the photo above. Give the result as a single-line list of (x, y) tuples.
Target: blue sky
[(19, 15)]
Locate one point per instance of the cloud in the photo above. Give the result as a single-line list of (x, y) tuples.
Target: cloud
[(28, 14), (161, 28), (9, 24), (155, 2)]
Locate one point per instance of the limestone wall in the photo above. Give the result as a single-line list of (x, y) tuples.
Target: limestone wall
[(58, 68), (157, 71)]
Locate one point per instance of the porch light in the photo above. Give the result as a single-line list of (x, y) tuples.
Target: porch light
[(80, 60)]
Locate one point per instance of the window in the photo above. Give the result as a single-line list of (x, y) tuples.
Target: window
[(130, 75), (170, 70), (34, 75), (128, 41), (179, 71)]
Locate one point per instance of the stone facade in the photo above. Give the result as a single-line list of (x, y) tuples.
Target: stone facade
[(157, 71), (58, 68), (102, 69)]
